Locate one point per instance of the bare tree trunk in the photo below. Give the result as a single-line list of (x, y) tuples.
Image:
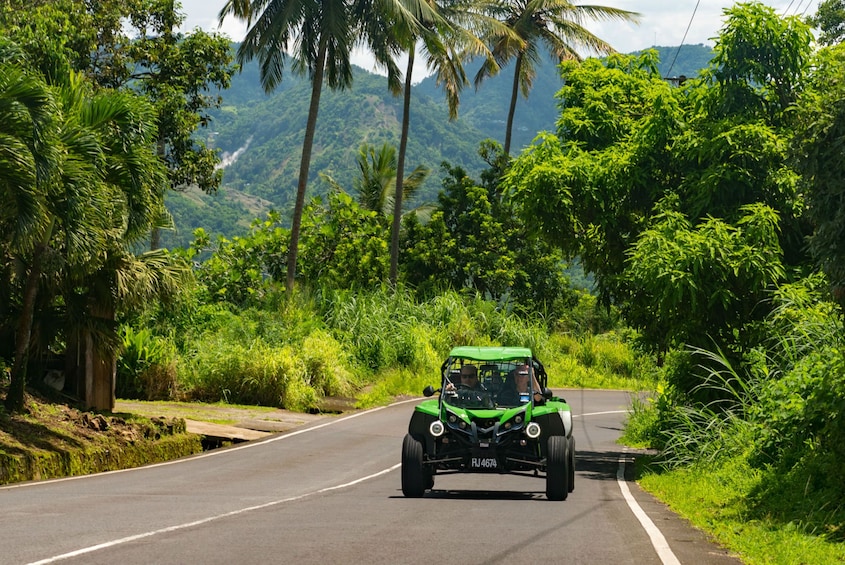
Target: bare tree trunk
[(305, 165), (512, 109), (400, 173)]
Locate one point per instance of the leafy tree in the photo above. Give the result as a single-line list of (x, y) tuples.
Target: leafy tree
[(590, 189), (759, 61), (830, 19), (696, 285), (320, 36), (717, 147), (177, 73), (556, 24), (820, 155), (344, 245), (476, 241)]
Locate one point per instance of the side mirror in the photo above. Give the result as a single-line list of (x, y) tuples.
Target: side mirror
[(428, 391)]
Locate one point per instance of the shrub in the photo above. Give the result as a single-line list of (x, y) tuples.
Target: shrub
[(146, 367)]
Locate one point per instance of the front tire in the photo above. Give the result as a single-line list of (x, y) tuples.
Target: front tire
[(413, 476), (557, 468), (571, 464)]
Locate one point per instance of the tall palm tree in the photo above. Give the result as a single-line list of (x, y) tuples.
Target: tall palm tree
[(378, 177), (447, 33), (28, 160), (556, 24), (320, 35)]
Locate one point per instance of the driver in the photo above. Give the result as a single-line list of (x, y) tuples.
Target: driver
[(469, 378)]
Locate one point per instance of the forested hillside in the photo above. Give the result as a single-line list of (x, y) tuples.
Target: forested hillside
[(264, 132)]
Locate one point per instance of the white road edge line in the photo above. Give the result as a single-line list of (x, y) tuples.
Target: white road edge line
[(658, 541), (661, 546), (105, 545)]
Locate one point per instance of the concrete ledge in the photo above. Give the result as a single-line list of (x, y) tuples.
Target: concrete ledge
[(219, 431)]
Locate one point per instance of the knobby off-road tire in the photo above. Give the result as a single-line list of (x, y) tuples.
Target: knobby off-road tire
[(557, 468), (571, 464), (414, 479)]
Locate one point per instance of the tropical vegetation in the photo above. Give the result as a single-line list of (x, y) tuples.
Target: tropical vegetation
[(707, 214)]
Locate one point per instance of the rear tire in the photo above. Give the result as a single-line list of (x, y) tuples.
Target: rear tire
[(557, 468), (413, 477), (571, 464)]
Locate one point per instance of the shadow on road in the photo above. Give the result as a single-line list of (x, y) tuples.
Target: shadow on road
[(484, 494)]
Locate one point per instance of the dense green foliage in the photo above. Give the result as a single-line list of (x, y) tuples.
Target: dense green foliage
[(689, 205), (722, 180), (682, 200)]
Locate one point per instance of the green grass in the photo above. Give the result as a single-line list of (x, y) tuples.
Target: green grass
[(715, 500)]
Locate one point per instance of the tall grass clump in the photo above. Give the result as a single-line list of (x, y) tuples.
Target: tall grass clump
[(801, 414), (370, 324), (328, 368), (248, 373)]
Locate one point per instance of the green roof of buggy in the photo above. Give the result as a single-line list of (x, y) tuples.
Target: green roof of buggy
[(490, 353)]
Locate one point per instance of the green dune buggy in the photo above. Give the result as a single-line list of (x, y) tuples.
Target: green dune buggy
[(494, 414)]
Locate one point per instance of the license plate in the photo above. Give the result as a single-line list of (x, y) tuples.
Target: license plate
[(485, 463)]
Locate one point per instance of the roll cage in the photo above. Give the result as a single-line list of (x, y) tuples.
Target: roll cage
[(495, 368)]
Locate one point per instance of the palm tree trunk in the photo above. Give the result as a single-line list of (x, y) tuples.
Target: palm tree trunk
[(17, 386), (512, 109), (155, 232), (400, 172), (305, 164)]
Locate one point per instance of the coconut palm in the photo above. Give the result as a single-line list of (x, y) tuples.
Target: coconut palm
[(447, 33), (376, 184), (556, 24), (320, 35)]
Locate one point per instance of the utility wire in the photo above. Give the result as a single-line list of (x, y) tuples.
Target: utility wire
[(689, 25), (809, 3), (786, 10)]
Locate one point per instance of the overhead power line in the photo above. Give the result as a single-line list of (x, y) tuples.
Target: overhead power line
[(689, 25)]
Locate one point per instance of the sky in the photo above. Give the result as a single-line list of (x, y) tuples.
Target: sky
[(662, 22)]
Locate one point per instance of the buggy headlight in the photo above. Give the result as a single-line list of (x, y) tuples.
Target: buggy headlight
[(437, 428), (532, 430)]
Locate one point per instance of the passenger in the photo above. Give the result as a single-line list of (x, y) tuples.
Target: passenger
[(516, 389)]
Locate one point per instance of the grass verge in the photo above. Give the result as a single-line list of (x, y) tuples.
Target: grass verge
[(717, 500)]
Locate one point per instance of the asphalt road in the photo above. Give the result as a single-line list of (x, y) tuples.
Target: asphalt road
[(329, 492)]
